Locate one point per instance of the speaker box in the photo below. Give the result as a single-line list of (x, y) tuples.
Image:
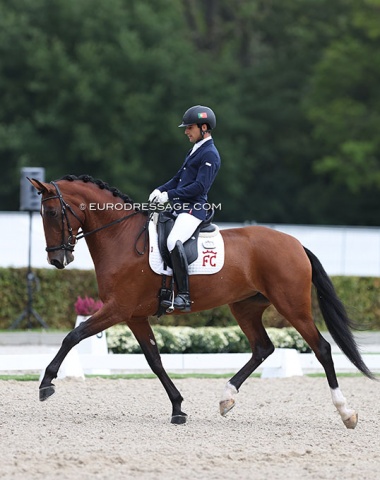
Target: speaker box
[(29, 198)]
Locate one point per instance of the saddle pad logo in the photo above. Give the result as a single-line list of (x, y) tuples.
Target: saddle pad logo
[(209, 258)]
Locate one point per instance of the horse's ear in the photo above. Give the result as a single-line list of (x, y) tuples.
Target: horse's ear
[(37, 185)]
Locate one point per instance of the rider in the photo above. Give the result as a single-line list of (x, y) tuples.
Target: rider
[(187, 194)]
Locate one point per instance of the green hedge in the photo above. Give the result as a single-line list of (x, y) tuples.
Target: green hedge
[(55, 294), (58, 291), (201, 339)]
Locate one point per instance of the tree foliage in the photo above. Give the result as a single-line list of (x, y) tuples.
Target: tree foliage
[(345, 101), (99, 87)]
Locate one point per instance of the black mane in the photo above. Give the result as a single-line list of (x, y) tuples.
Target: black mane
[(102, 185)]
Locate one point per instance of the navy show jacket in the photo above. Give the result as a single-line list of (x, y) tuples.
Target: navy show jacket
[(188, 189)]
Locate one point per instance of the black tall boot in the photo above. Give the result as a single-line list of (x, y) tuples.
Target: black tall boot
[(181, 276)]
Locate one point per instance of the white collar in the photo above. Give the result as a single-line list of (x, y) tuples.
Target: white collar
[(199, 144)]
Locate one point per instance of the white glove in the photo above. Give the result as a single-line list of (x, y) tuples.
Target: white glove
[(162, 197), (153, 196)]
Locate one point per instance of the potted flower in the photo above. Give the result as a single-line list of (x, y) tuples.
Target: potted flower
[(97, 344), (87, 306)]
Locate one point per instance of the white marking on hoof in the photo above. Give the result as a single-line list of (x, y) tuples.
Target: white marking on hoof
[(348, 415), (352, 421), (227, 402), (225, 406)]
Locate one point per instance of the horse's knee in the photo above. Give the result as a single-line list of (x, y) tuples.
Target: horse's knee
[(156, 365), (79, 333), (262, 351), (72, 338)]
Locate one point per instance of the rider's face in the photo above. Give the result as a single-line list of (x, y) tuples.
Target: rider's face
[(193, 133)]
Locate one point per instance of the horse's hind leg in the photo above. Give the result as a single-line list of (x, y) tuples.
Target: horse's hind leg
[(145, 336), (248, 314), (299, 315), (322, 350)]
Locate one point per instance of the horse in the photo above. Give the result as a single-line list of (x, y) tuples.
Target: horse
[(262, 267)]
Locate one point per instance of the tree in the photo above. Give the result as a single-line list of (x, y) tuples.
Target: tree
[(344, 102), (87, 88), (99, 87)]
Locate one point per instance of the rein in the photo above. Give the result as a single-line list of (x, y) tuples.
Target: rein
[(72, 239)]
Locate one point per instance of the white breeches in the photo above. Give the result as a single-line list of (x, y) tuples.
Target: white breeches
[(184, 226)]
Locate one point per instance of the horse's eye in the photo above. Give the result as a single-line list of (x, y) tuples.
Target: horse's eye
[(51, 213)]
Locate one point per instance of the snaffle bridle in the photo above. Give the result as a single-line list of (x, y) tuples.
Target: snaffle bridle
[(72, 239)]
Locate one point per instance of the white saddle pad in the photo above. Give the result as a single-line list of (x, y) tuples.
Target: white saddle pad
[(210, 253)]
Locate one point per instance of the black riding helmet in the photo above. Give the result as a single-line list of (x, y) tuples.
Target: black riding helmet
[(199, 115)]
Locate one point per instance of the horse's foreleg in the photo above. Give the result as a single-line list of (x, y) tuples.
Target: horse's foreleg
[(95, 324), (47, 388), (145, 336), (248, 314)]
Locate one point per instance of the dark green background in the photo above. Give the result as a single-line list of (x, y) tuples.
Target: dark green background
[(99, 87)]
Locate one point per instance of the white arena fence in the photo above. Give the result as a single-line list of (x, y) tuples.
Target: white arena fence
[(91, 357), (282, 363)]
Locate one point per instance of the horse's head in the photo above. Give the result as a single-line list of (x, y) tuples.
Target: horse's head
[(61, 223)]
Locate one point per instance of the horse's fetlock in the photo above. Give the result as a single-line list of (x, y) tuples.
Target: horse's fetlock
[(178, 399), (50, 374)]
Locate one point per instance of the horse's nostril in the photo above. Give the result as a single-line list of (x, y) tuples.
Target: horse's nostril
[(57, 263)]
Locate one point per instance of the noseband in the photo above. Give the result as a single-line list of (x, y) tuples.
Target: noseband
[(65, 207)]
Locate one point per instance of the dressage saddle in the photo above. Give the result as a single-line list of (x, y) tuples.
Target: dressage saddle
[(165, 224)]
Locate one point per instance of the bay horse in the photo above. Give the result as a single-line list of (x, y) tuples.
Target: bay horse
[(262, 267)]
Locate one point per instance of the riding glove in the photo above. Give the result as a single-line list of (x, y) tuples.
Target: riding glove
[(158, 197), (162, 197), (153, 196)]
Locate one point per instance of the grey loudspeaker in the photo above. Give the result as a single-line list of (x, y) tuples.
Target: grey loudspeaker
[(29, 198)]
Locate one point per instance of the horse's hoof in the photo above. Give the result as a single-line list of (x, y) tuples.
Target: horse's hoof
[(46, 392), (179, 419), (226, 405), (352, 421)]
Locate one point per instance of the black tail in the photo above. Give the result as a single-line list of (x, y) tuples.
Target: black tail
[(335, 315)]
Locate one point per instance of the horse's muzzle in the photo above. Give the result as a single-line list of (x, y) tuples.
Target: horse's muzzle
[(57, 263), (61, 259)]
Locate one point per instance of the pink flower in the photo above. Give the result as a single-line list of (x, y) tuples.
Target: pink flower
[(87, 306)]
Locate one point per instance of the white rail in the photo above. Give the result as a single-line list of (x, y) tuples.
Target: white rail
[(279, 364)]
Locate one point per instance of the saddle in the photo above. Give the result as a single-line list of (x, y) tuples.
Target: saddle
[(165, 224)]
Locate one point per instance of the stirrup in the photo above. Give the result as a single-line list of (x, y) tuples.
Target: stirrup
[(182, 302), (179, 303), (168, 305)]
